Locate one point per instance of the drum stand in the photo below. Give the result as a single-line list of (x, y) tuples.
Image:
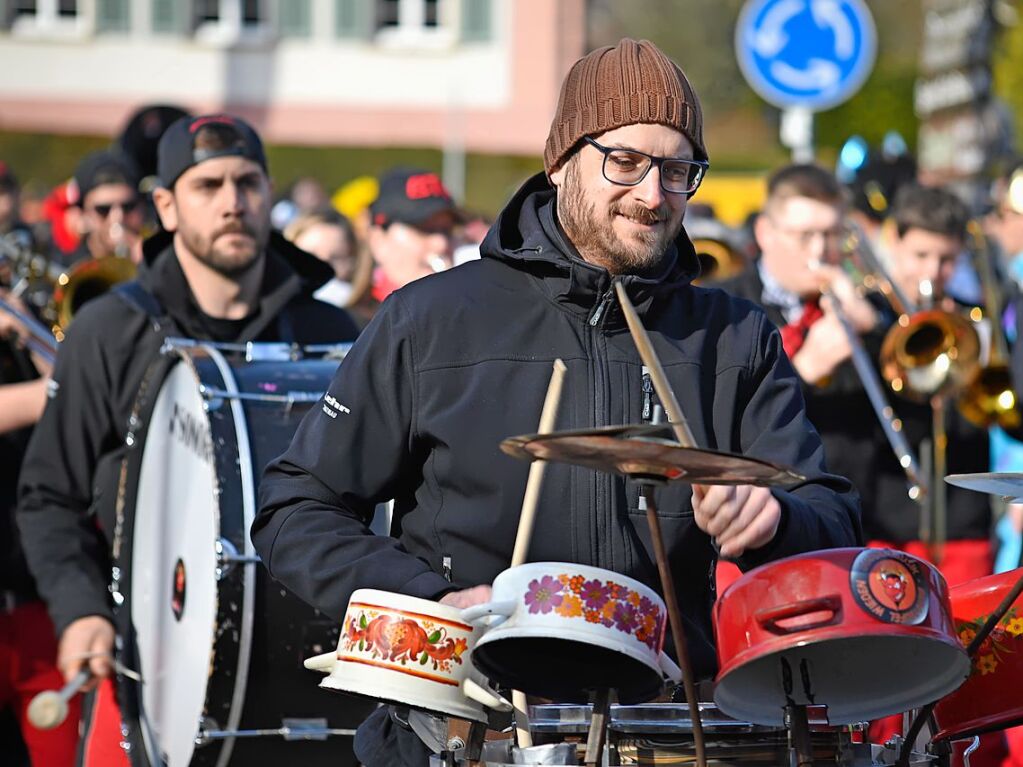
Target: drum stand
[(800, 744), (597, 736), (647, 502)]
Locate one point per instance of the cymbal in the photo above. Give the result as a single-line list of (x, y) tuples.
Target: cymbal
[(647, 452), (1007, 484)]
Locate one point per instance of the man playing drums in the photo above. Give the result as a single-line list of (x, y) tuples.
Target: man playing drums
[(216, 273), (456, 362)]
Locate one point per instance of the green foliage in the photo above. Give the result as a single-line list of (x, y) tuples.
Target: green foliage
[(1007, 68)]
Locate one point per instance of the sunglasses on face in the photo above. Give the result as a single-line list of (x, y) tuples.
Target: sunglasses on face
[(126, 208)]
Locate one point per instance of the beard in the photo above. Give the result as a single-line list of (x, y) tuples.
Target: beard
[(230, 261), (595, 238)]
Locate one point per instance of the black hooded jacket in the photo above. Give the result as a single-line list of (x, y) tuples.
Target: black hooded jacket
[(456, 362), (69, 476)]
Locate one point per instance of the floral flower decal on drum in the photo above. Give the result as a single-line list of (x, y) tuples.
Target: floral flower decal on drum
[(597, 601), (403, 639), (1007, 637)]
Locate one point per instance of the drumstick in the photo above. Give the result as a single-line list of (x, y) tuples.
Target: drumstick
[(548, 416), (646, 352), (49, 709)]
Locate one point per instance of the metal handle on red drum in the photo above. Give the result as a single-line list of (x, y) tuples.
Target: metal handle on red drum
[(769, 618)]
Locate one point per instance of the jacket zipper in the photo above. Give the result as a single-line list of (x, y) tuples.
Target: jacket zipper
[(648, 396), (602, 545), (601, 308)]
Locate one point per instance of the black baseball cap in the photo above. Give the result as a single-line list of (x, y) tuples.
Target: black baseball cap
[(410, 196), (106, 166), (223, 136)]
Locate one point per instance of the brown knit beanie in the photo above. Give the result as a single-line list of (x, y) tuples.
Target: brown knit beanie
[(633, 82)]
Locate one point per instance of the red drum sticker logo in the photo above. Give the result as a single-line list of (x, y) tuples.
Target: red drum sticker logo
[(890, 586)]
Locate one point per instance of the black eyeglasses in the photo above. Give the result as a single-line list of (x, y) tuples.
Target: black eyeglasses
[(126, 208), (628, 167)]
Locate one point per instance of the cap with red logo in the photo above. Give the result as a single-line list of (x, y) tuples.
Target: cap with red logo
[(410, 197), (192, 140)]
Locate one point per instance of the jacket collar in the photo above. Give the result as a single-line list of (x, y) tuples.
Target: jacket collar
[(528, 236), (289, 272)]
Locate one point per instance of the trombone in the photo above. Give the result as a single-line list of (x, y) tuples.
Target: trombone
[(917, 488)]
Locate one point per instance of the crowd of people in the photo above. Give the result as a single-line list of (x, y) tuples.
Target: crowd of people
[(456, 333)]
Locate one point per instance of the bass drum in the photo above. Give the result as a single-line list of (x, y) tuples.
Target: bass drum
[(218, 643)]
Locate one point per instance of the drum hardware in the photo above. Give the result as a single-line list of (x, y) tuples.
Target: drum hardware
[(290, 398), (981, 636), (228, 557), (290, 729), (261, 351)]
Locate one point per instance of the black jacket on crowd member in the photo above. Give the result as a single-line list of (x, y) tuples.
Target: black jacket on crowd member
[(68, 482), (855, 445), (456, 362)]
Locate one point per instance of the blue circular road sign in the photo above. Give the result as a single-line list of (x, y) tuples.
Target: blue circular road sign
[(805, 53)]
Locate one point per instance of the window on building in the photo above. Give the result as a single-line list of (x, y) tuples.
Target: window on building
[(227, 22), (294, 18), (476, 20), (413, 22), (113, 15), (34, 17)]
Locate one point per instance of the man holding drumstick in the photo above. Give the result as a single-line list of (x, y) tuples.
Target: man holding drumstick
[(456, 362)]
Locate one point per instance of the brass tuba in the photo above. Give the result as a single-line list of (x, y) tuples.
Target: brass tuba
[(989, 399), (81, 283)]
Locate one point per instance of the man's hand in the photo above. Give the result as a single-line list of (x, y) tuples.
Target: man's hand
[(825, 348), (87, 640), (862, 315), (737, 518), (477, 595)]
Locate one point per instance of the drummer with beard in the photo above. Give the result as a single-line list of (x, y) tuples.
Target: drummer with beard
[(216, 273), (456, 362)]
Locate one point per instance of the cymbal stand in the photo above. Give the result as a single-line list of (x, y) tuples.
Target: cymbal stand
[(597, 736), (685, 437), (800, 742), (678, 632), (939, 498)]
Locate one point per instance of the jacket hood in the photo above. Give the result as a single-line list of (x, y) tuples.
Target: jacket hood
[(527, 235), (313, 272)]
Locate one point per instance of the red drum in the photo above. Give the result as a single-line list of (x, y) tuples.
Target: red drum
[(866, 632), (990, 699)]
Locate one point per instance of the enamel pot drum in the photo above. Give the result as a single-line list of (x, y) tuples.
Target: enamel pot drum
[(866, 632), (401, 649), (992, 697), (560, 630)]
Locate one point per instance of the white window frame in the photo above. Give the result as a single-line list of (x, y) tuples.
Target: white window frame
[(412, 31), (48, 23), (229, 31)]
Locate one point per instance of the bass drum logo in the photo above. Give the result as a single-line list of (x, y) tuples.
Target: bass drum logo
[(890, 586)]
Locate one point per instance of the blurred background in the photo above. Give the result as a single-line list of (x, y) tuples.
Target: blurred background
[(347, 88)]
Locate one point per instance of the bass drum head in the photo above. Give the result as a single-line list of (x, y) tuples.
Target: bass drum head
[(173, 572)]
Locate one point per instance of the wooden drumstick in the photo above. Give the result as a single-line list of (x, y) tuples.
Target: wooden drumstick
[(685, 437), (646, 352), (49, 709), (548, 416)]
